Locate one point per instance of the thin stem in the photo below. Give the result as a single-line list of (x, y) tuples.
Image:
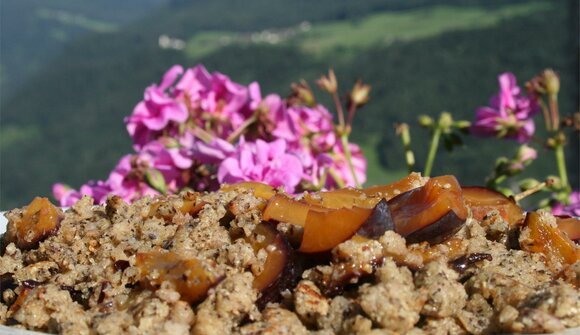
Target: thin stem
[(351, 111), (233, 136), (561, 161), (547, 117), (518, 197), (553, 101), (322, 180), (339, 110), (339, 182), (432, 151), (344, 139)]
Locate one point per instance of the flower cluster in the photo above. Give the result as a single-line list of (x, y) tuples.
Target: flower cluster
[(509, 114), (197, 129)]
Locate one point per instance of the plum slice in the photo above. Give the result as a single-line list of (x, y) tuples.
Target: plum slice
[(343, 198), (541, 234), (282, 208), (326, 229), (191, 277), (569, 225), (40, 220), (280, 271), (482, 200), (429, 213), (389, 191), (260, 190)]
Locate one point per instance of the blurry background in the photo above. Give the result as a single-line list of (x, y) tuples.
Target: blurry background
[(71, 70)]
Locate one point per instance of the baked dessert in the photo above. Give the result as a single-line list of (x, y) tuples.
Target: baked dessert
[(420, 256)]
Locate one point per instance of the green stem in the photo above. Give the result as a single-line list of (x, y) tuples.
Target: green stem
[(553, 101), (432, 151), (403, 131), (561, 161), (339, 110), (344, 139), (234, 136), (336, 178)]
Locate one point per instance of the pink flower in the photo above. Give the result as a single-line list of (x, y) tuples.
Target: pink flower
[(524, 157), (158, 108), (341, 168), (127, 180), (213, 152), (263, 162), (216, 99), (573, 209), (65, 195), (509, 114), (313, 124)]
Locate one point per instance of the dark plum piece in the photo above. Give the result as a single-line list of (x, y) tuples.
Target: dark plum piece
[(482, 200), (379, 222), (431, 213), (465, 262)]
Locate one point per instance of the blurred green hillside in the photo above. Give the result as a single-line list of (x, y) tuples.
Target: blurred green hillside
[(421, 57)]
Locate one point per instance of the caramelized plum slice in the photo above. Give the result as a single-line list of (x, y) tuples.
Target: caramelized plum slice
[(166, 209), (260, 190), (280, 271), (326, 229), (482, 200), (24, 292), (541, 234), (429, 213), (40, 220), (191, 277), (569, 225), (343, 198), (389, 191), (285, 209)]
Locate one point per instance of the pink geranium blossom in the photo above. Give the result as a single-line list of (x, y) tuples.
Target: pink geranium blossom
[(158, 108), (264, 162), (509, 114), (572, 209), (196, 129), (216, 99)]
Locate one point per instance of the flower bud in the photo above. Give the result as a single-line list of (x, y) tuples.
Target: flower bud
[(155, 179), (526, 154), (462, 124), (445, 120), (425, 121), (302, 94), (328, 84), (528, 184), (360, 94), (553, 183), (551, 81)]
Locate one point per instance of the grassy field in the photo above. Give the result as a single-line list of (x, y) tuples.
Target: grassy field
[(383, 28)]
